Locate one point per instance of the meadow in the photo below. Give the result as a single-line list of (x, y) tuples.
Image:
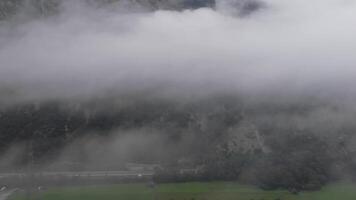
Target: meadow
[(189, 191)]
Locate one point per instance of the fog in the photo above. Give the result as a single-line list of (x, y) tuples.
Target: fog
[(247, 90), (297, 48)]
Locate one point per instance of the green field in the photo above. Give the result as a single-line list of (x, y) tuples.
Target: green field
[(190, 191)]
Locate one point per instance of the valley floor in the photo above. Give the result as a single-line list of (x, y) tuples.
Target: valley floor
[(189, 191)]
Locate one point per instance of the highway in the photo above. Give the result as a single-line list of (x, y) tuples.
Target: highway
[(6, 193), (18, 177), (81, 174)]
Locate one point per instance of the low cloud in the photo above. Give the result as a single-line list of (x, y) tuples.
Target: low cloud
[(296, 48)]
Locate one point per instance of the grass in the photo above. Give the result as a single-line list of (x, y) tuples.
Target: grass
[(190, 191)]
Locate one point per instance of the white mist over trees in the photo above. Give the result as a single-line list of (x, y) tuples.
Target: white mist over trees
[(230, 87), (288, 48)]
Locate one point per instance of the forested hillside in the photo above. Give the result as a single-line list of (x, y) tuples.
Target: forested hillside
[(224, 137), (9, 8)]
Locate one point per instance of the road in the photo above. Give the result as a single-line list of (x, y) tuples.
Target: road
[(83, 173), (6, 193)]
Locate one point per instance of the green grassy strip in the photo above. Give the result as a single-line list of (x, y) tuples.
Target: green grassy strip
[(190, 191)]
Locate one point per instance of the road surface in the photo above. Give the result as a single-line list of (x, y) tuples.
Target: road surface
[(83, 173), (6, 193)]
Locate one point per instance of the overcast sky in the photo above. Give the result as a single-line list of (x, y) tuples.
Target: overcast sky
[(294, 47)]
